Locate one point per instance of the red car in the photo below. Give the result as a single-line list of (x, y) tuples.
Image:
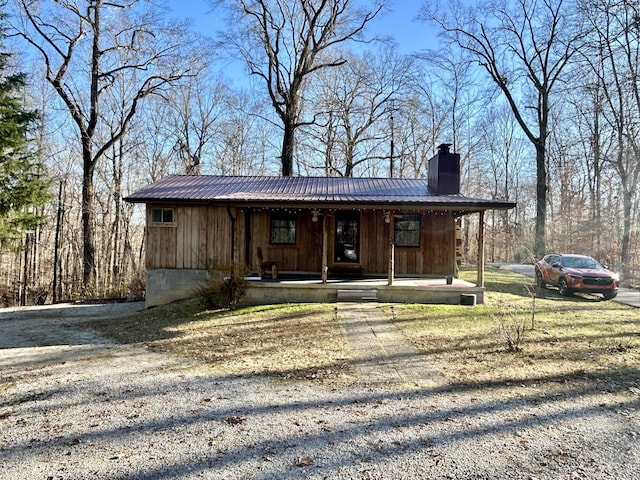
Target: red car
[(576, 273)]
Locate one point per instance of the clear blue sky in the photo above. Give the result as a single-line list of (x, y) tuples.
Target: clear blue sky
[(399, 23)]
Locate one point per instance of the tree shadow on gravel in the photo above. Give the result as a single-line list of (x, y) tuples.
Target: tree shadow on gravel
[(222, 429)]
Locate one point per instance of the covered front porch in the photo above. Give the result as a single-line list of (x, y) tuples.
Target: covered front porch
[(289, 288)]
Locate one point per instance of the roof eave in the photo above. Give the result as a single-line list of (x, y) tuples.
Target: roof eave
[(437, 203)]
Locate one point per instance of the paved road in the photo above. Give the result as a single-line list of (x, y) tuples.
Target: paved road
[(626, 296)]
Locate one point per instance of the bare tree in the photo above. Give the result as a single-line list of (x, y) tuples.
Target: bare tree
[(244, 141), (423, 123), (154, 155), (451, 74), (86, 47), (285, 41), (451, 80), (502, 153), (358, 99), (203, 126), (196, 108), (587, 113), (614, 57), (524, 50)]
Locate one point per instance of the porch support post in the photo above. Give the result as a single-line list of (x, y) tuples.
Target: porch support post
[(232, 219), (392, 248), (324, 247), (247, 237), (237, 250), (480, 280)]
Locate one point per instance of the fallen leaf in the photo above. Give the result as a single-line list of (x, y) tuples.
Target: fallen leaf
[(306, 461)]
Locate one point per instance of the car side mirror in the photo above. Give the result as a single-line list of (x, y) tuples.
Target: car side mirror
[(556, 265)]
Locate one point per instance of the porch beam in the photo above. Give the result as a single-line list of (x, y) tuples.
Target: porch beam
[(392, 248), (480, 279), (325, 246)]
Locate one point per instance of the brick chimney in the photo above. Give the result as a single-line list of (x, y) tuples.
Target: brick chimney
[(444, 171)]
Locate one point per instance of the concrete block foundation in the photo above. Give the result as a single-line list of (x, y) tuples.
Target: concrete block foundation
[(166, 285)]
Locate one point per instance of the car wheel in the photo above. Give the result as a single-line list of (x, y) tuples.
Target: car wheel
[(609, 295), (539, 280), (563, 288)]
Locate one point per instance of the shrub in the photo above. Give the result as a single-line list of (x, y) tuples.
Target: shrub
[(137, 285), (226, 286), (511, 326), (37, 295)]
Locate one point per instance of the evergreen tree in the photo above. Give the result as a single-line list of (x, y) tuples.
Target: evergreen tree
[(22, 183)]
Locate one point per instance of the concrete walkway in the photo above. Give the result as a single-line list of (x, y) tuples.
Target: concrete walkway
[(381, 353)]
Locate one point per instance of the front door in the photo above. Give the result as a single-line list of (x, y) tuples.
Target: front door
[(347, 237)]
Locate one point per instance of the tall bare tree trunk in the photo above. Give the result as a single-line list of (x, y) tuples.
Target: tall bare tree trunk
[(524, 48), (116, 254), (539, 245), (88, 226), (285, 42), (287, 149)]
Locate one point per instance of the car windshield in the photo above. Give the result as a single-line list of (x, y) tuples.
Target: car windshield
[(580, 262)]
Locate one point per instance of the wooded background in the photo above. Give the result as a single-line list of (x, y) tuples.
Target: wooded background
[(540, 98)]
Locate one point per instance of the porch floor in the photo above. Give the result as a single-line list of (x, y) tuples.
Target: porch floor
[(359, 282), (298, 288)]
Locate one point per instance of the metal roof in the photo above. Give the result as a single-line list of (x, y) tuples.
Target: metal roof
[(320, 191)]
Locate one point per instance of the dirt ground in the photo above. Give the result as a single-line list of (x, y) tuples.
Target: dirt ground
[(47, 325)]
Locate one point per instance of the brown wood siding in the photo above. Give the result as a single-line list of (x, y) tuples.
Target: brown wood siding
[(304, 256), (433, 257), (161, 244), (200, 237), (374, 242), (439, 249)]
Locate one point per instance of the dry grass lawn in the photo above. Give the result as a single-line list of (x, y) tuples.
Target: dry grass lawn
[(577, 342), (581, 340), (285, 341)]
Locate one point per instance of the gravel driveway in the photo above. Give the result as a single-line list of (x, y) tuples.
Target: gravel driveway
[(77, 406)]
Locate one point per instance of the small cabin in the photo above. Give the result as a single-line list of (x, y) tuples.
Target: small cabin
[(310, 237)]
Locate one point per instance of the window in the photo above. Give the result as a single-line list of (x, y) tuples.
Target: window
[(283, 228), (407, 230), (162, 215)]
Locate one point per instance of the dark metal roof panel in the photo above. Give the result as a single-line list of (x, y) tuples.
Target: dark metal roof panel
[(301, 190)]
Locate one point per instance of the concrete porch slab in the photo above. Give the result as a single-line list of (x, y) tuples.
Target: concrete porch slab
[(404, 290)]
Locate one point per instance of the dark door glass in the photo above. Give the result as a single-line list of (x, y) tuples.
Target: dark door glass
[(347, 237)]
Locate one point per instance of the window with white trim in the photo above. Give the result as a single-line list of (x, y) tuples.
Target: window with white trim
[(162, 215)]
